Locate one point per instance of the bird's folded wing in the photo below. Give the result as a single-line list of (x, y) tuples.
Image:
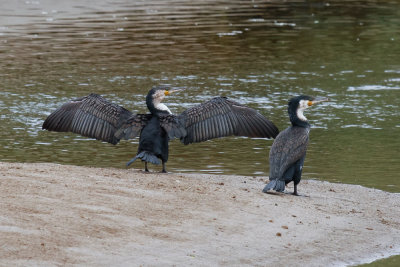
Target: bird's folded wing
[(287, 149), (297, 151), (221, 117), (90, 116)]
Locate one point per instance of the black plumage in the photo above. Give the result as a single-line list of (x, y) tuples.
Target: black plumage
[(95, 117), (288, 152)]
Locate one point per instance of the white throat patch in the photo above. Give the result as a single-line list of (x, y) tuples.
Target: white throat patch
[(161, 106), (303, 105), (157, 98)]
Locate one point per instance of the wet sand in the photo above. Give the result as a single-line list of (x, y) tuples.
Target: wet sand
[(67, 215)]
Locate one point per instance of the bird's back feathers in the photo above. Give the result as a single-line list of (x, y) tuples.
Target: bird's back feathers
[(289, 146)]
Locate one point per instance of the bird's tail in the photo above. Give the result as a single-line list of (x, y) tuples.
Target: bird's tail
[(276, 185), (145, 156)]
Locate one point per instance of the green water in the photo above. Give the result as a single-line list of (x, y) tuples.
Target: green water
[(259, 53)]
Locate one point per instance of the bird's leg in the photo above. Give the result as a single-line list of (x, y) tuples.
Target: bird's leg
[(163, 167), (145, 167), (295, 190)]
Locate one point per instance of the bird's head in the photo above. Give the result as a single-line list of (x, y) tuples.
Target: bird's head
[(298, 104), (158, 93), (155, 96)]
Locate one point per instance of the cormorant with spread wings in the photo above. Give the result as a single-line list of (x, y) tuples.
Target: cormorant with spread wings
[(95, 117)]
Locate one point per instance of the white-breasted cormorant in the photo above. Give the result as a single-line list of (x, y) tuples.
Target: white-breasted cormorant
[(287, 154), (95, 117)]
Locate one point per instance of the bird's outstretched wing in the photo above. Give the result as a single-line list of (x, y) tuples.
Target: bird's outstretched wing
[(90, 116), (221, 117)]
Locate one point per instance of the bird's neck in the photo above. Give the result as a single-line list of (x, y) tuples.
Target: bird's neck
[(162, 109), (156, 107), (297, 118)]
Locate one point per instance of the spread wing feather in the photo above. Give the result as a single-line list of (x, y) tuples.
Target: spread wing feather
[(221, 117), (90, 116)]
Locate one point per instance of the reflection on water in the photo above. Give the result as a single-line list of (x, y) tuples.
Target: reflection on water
[(259, 53)]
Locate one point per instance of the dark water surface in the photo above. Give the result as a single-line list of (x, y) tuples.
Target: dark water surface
[(259, 53)]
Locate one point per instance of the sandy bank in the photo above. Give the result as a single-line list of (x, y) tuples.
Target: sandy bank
[(67, 215)]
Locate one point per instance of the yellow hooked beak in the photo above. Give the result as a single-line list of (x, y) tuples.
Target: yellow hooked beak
[(168, 92), (317, 100)]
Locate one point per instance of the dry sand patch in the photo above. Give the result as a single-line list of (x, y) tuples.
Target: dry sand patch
[(68, 215)]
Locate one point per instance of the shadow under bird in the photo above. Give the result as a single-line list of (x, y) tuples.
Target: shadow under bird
[(94, 116), (287, 154)]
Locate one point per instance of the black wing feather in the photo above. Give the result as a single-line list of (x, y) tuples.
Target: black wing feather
[(91, 116), (221, 117)]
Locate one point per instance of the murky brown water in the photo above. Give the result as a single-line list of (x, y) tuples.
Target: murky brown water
[(259, 53)]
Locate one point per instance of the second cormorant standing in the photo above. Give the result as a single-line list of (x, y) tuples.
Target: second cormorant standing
[(287, 154)]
